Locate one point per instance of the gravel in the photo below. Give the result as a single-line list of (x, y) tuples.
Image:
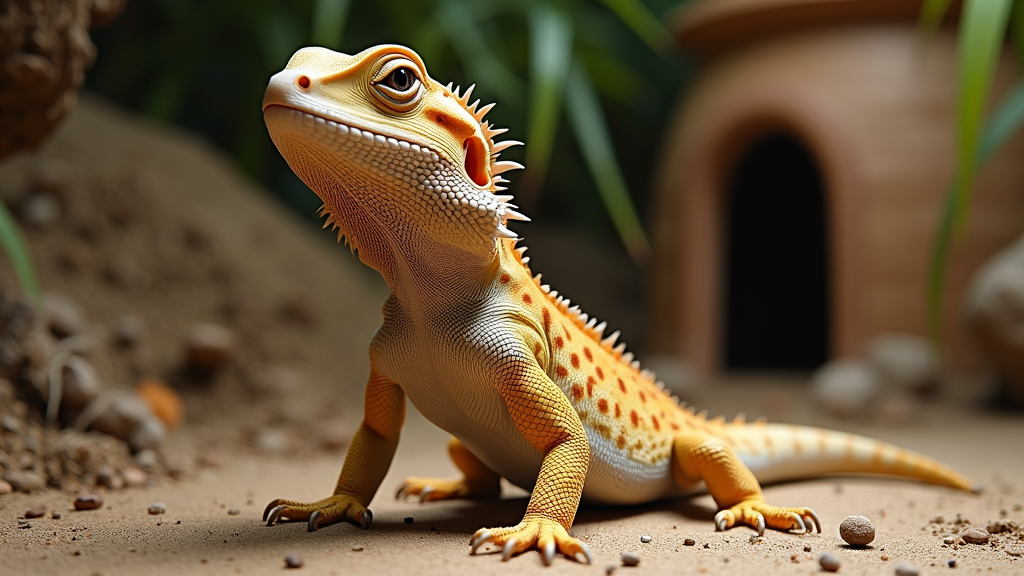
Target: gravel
[(293, 561), (857, 531), (25, 481), (5, 487), (975, 536), (88, 502), (646, 538), (904, 569), (208, 347), (157, 508), (630, 558), (689, 542), (829, 562)]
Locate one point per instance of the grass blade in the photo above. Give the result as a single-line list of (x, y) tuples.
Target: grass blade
[(551, 40), (931, 15), (1007, 120), (329, 22), (588, 125), (17, 251), (643, 22), (981, 38)]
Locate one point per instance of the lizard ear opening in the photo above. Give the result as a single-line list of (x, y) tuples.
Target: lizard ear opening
[(475, 154)]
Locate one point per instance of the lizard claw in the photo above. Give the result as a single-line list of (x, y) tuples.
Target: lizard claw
[(587, 557), (423, 493), (479, 539), (314, 521), (548, 553), (509, 548), (813, 518), (272, 513), (365, 517), (721, 521), (759, 525), (798, 523)]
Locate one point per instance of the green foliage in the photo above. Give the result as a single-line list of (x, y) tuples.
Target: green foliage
[(14, 246), (983, 27), (204, 64)]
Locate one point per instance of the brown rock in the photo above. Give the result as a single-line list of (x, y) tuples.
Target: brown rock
[(62, 315), (35, 512), (124, 411), (293, 561), (857, 531), (81, 383), (208, 347), (164, 401), (25, 481), (88, 502), (148, 435), (133, 477), (975, 536), (5, 487), (829, 562)]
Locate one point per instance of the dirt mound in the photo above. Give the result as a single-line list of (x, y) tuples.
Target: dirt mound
[(152, 231)]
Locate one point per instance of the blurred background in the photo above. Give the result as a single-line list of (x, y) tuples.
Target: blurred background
[(795, 194)]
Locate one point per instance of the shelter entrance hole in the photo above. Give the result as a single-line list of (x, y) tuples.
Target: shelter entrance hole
[(776, 269)]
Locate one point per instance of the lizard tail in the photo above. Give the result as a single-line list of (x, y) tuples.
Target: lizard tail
[(777, 452)]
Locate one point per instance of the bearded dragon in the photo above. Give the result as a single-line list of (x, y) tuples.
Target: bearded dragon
[(529, 386)]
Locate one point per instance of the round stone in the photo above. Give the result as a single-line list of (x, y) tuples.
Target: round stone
[(829, 562), (857, 531)]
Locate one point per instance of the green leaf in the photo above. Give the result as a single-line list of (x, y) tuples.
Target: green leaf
[(14, 245), (473, 48), (591, 132), (329, 22), (1007, 120), (931, 15), (551, 40), (643, 22), (1017, 31), (981, 37)]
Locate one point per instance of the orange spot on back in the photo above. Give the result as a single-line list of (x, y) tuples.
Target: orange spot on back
[(505, 278), (643, 397), (590, 385), (600, 372), (622, 385), (618, 413), (602, 405), (568, 336), (621, 441), (654, 420), (529, 300), (536, 348), (547, 320), (634, 418), (587, 353), (559, 343), (577, 391), (674, 426), (561, 371), (575, 359)]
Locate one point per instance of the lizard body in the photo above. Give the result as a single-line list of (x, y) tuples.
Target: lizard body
[(529, 386)]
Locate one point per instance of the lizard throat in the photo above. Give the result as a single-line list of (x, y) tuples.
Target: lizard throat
[(433, 185)]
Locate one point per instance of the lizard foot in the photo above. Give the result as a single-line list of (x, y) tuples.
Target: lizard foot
[(321, 513), (429, 489), (541, 533), (759, 515)]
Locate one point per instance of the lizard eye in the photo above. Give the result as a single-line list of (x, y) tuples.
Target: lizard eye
[(401, 79), (397, 84)]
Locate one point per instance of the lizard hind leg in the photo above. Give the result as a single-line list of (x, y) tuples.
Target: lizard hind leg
[(478, 482), (698, 457)]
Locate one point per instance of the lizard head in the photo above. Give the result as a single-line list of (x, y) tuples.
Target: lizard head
[(390, 151)]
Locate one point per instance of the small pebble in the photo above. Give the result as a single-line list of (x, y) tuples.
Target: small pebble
[(147, 459), (35, 512), (904, 569), (829, 562), (689, 542), (610, 569), (975, 536), (293, 561), (357, 548), (5, 487), (234, 511), (88, 502), (646, 538), (630, 558), (25, 481), (951, 563), (208, 346), (128, 331), (807, 548), (857, 531), (408, 519), (157, 508), (949, 540), (134, 477), (163, 400), (56, 516)]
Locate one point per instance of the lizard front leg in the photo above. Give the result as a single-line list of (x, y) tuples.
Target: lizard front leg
[(699, 457), (366, 463), (549, 423)]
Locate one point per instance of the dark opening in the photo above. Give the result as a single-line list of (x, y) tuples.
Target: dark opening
[(777, 302)]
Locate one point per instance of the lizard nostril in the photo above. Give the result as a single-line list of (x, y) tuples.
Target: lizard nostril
[(304, 82)]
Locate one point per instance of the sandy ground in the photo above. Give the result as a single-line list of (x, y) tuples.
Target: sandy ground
[(197, 535)]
